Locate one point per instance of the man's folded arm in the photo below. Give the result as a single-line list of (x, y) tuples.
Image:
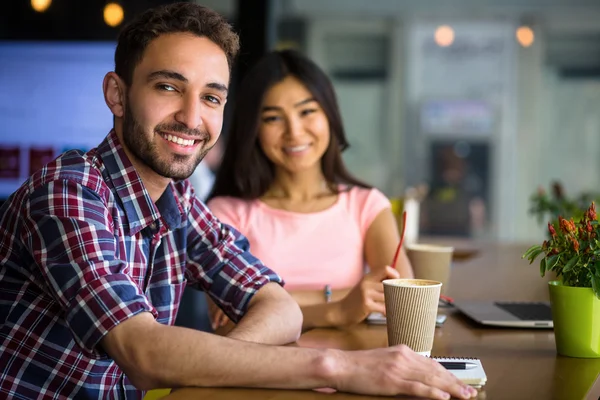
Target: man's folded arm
[(159, 356)]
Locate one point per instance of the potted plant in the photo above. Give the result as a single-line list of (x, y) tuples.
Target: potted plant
[(572, 252)]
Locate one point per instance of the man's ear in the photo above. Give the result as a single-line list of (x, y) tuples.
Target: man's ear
[(114, 94)]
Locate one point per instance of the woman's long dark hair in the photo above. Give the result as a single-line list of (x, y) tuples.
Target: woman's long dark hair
[(245, 171)]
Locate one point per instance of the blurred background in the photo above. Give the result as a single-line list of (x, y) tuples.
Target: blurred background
[(476, 102)]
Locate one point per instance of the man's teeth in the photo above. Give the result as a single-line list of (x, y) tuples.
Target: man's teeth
[(178, 140), (297, 148)]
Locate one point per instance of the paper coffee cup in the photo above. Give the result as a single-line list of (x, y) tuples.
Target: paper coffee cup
[(431, 262), (411, 309)]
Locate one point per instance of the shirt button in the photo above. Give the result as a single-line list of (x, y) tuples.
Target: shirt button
[(153, 226)]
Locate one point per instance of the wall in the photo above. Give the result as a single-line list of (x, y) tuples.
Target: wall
[(51, 98), (478, 66), (548, 128)]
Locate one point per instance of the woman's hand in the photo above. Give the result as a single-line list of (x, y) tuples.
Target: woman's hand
[(366, 297)]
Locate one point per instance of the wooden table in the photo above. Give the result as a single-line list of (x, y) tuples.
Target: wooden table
[(519, 363)]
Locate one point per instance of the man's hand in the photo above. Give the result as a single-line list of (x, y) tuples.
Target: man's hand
[(366, 297), (217, 317), (397, 370)]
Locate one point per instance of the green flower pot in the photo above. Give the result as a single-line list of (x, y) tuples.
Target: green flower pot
[(576, 316)]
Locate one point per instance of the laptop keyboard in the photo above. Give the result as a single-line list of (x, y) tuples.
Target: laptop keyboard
[(528, 311)]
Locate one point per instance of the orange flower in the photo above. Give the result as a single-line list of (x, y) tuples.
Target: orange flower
[(592, 212), (572, 227), (563, 224), (567, 226), (551, 229), (575, 244)]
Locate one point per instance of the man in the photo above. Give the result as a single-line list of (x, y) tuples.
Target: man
[(96, 248)]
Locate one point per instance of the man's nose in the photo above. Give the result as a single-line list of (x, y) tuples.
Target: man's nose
[(190, 113)]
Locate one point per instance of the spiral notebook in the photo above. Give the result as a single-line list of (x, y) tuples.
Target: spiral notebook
[(475, 377)]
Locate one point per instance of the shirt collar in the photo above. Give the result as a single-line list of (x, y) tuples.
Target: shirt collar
[(140, 210)]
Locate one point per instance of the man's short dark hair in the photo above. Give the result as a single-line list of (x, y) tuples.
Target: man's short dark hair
[(171, 18)]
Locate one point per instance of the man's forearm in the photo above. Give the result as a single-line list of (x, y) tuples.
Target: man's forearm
[(273, 317), (181, 357), (270, 322)]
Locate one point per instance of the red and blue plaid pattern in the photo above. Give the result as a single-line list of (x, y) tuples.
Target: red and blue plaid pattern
[(83, 248)]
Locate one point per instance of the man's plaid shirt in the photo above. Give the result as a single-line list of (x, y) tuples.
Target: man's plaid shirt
[(83, 248)]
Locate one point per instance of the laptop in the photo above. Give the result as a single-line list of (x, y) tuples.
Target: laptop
[(508, 314), (376, 318)]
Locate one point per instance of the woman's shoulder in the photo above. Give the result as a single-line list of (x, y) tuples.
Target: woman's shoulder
[(230, 208), (359, 197), (228, 202), (365, 204)]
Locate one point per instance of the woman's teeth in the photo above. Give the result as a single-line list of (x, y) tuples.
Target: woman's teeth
[(179, 141), (296, 149)]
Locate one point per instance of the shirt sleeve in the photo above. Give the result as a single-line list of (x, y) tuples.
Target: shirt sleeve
[(370, 203), (220, 262), (68, 232)]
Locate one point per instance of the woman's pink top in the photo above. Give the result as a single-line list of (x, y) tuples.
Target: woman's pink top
[(308, 250)]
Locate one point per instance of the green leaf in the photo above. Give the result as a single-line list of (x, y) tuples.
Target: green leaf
[(596, 286), (533, 255), (543, 267), (531, 250), (552, 261), (571, 263)]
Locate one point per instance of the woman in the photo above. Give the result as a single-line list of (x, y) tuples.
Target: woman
[(283, 184)]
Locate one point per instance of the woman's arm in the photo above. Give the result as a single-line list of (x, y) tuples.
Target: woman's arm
[(349, 306), (381, 242), (364, 298), (312, 297), (315, 310)]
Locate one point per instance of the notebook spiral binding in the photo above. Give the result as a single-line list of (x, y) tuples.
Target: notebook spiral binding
[(455, 358)]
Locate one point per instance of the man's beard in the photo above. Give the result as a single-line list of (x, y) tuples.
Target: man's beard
[(178, 166)]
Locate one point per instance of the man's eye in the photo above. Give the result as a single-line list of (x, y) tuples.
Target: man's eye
[(166, 88), (213, 99)]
